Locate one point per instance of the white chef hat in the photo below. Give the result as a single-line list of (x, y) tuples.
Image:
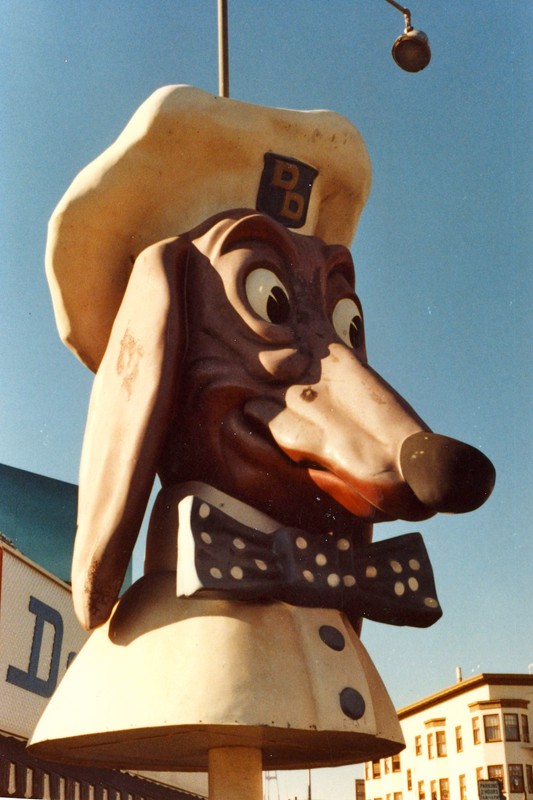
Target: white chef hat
[(184, 156)]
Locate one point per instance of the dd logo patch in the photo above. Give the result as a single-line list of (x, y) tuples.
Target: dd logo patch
[(285, 189)]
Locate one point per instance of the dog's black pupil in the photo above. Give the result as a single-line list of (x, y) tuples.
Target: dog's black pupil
[(278, 307), (355, 330)]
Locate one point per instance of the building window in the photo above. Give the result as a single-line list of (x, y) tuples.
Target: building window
[(421, 791), (479, 773), (475, 730), (368, 770), (491, 723), (409, 780), (418, 745), (529, 778), (397, 796), (433, 790), (512, 731), (444, 789), (396, 766), (525, 728), (386, 765), (516, 778), (376, 769), (459, 739), (441, 743), (462, 787), (495, 773), (430, 745)]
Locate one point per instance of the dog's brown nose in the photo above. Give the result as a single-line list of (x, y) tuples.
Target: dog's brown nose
[(446, 475)]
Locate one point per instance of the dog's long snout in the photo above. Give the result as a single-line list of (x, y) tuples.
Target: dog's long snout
[(361, 443), (445, 474)]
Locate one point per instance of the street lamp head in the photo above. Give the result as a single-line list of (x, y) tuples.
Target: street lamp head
[(411, 50)]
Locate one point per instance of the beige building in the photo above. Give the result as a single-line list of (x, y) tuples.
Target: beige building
[(477, 729)]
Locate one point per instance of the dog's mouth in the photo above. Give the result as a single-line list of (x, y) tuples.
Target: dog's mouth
[(433, 473), (258, 412)]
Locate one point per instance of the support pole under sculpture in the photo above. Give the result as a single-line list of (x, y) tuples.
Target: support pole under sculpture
[(235, 773)]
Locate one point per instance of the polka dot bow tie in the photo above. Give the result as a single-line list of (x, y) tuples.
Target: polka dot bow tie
[(388, 581)]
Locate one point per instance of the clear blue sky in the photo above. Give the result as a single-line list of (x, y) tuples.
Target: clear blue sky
[(441, 251)]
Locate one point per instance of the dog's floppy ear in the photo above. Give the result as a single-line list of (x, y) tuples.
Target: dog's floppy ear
[(129, 413)]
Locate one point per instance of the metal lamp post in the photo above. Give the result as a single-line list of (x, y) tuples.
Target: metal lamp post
[(410, 50), (223, 60)]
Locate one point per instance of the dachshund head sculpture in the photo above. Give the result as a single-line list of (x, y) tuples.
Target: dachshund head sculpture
[(237, 359), (233, 354), (200, 267)]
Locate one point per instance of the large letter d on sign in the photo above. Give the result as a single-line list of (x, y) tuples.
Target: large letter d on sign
[(30, 680)]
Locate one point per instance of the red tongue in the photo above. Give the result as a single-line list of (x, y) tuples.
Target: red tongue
[(372, 501), (343, 494)]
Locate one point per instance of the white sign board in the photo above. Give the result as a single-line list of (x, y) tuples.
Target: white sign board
[(489, 790), (39, 636)]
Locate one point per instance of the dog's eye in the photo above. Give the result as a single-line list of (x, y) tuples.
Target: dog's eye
[(348, 322), (267, 295)]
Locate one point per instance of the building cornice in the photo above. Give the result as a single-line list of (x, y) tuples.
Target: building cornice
[(461, 687), (482, 705)]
